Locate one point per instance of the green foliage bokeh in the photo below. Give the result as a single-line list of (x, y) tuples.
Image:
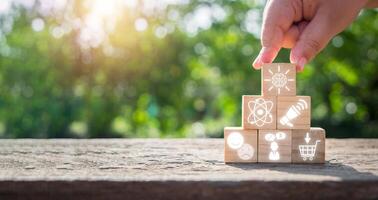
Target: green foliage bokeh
[(173, 79)]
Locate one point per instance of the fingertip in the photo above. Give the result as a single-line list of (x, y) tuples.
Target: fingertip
[(299, 69), (298, 59), (294, 55), (266, 55), (300, 65), (257, 63), (256, 66)]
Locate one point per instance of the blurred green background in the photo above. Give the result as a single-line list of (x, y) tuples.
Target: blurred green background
[(167, 68)]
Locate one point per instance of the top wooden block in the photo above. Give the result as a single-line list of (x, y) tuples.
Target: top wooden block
[(278, 79)]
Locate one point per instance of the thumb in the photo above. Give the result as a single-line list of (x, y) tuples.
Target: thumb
[(312, 40)]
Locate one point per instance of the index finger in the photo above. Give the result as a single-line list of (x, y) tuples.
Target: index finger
[(279, 15)]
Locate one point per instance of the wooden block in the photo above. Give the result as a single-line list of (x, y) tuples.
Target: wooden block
[(308, 146), (274, 146), (293, 112), (278, 79), (240, 145), (259, 112)]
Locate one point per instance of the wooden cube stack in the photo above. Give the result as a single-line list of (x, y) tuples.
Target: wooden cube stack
[(276, 126)]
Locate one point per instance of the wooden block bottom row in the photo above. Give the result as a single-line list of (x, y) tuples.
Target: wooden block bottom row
[(274, 146), (281, 112)]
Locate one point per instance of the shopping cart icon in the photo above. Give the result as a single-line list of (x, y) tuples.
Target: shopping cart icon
[(308, 151)]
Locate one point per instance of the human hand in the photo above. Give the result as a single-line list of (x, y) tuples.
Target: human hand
[(305, 26)]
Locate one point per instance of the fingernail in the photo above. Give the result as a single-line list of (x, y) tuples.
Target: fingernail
[(302, 63), (293, 60), (257, 63)]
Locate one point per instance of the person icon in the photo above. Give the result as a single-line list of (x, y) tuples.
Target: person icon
[(274, 154), (273, 138)]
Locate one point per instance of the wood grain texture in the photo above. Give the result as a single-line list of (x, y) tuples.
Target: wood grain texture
[(259, 112), (293, 111), (278, 79), (178, 169), (267, 151), (299, 138), (240, 145)]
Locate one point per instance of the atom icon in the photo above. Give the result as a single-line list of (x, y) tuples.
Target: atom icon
[(260, 112), (279, 80)]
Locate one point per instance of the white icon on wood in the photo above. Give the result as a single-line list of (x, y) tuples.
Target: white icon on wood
[(308, 151), (293, 112), (272, 138), (260, 112), (235, 140), (246, 152), (279, 80)]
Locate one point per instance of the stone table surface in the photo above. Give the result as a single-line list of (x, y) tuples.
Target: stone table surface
[(177, 169)]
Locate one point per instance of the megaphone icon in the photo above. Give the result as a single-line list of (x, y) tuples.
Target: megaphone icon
[(293, 112)]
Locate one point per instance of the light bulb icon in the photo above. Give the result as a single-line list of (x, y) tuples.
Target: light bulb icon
[(293, 112)]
